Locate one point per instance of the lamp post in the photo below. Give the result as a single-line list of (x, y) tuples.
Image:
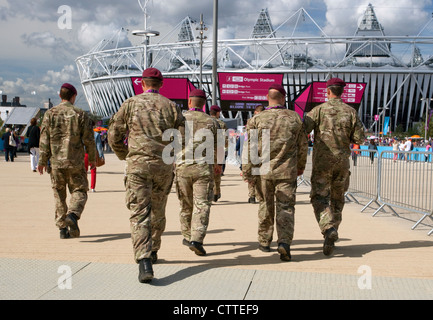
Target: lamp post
[(201, 37), (146, 33), (215, 52), (306, 63)]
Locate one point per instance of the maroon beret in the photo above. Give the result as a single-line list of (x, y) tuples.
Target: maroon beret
[(278, 87), (69, 87), (197, 93), (335, 82), (215, 108), (152, 73)]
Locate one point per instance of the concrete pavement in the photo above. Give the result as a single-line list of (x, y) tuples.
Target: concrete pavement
[(376, 257)]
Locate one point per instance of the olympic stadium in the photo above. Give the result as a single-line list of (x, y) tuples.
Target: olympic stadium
[(395, 73)]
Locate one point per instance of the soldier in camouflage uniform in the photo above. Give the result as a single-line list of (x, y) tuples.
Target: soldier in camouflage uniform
[(143, 119), (336, 125), (195, 177), (215, 112), (253, 193), (282, 145), (65, 131)]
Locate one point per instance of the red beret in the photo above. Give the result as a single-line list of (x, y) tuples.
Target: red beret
[(152, 73), (335, 82), (278, 87), (197, 93), (69, 87), (215, 108)]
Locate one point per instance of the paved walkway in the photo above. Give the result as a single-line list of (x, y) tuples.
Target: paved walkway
[(376, 258)]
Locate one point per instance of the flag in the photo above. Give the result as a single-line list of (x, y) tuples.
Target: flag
[(386, 126)]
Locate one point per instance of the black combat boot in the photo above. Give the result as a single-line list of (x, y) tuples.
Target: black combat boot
[(284, 251), (72, 222), (154, 256), (64, 233), (197, 247), (331, 235), (145, 271), (264, 248)]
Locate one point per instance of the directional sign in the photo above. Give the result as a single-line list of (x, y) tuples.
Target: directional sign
[(353, 93), (246, 87), (172, 88), (315, 94), (175, 89)]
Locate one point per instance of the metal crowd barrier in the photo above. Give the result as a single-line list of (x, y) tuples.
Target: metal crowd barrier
[(306, 177), (392, 179), (364, 176), (406, 183)]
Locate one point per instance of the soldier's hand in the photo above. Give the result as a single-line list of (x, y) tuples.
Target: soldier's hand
[(246, 177), (218, 169), (41, 169)]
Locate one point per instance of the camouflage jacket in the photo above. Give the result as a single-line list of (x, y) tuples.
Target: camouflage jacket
[(336, 125), (65, 131), (199, 143), (277, 137), (143, 120), (223, 133)]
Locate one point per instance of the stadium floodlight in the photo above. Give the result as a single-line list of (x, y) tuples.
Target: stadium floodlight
[(147, 34)]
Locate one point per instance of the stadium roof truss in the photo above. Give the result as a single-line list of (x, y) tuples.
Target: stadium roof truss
[(400, 78)]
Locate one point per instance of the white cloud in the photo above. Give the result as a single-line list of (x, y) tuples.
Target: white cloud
[(16, 87), (58, 47), (67, 74), (398, 17), (91, 34), (36, 91)]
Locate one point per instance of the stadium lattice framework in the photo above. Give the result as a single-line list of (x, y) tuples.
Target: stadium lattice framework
[(398, 70)]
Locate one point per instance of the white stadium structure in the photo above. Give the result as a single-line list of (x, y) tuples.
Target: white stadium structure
[(395, 72)]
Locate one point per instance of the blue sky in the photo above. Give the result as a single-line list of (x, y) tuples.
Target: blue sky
[(38, 53)]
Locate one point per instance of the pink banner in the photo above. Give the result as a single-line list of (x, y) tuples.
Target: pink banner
[(302, 101), (173, 88)]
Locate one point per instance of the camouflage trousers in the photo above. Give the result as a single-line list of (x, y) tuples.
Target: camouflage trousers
[(195, 193), (74, 180), (253, 185), (277, 205), (329, 183), (251, 189), (146, 198)]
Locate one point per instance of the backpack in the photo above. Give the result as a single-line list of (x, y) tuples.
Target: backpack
[(12, 142)]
